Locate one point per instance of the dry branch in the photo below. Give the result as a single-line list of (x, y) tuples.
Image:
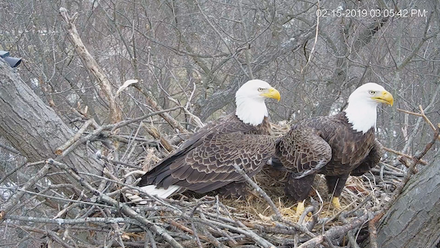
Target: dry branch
[(157, 135), (421, 161), (77, 140), (91, 64), (76, 137), (335, 232), (421, 114), (51, 234)]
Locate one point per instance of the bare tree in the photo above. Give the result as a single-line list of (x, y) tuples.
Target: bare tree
[(70, 145)]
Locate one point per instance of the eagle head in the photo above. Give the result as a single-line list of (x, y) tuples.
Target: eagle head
[(249, 99), (362, 104)]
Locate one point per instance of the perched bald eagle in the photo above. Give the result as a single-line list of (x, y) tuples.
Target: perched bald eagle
[(336, 146), (205, 161)]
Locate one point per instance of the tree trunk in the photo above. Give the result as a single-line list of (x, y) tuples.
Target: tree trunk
[(34, 129), (413, 220)]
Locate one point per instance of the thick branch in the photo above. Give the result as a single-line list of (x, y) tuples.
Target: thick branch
[(34, 129), (91, 65)]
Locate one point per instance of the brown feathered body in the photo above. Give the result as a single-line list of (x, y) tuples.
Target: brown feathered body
[(205, 161), (325, 145)]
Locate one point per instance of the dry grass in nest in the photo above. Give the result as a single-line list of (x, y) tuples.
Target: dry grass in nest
[(272, 182)]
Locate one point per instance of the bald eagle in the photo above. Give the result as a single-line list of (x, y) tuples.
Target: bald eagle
[(205, 161), (336, 146)]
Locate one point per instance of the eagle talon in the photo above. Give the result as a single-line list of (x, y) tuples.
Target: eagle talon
[(300, 208), (336, 203)]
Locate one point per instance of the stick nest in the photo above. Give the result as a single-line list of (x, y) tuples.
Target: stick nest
[(100, 213), (249, 221)]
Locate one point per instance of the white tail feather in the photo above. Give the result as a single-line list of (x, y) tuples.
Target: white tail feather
[(160, 192), (136, 199)]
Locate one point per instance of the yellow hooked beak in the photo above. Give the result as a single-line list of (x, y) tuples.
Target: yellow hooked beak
[(384, 97), (271, 93)]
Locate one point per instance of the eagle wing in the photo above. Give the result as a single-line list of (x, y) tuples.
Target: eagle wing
[(370, 161), (205, 162), (210, 165), (303, 151)]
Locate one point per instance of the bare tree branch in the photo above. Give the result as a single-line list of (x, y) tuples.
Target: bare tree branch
[(92, 65)]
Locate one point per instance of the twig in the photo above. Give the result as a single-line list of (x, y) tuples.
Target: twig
[(196, 119), (373, 230), (99, 156), (112, 127), (77, 221), (149, 237), (157, 108), (186, 229), (309, 209), (335, 232), (127, 122), (18, 168), (220, 231), (350, 235), (300, 228), (423, 162), (421, 114), (157, 135), (411, 167), (314, 42), (261, 241), (76, 137)]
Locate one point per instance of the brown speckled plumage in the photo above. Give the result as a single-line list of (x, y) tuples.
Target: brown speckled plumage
[(204, 162), (329, 146)]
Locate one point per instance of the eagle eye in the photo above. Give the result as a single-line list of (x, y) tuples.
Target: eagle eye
[(372, 92), (260, 89)]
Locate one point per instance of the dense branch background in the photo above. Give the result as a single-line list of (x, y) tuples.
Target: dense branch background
[(191, 57)]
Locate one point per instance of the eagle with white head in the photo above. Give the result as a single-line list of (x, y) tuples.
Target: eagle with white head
[(205, 161), (336, 146)]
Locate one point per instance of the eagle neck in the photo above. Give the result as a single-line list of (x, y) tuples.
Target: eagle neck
[(361, 116), (251, 111)]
